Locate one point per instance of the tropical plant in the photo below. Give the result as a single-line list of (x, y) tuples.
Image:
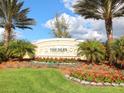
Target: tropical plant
[(16, 49), (20, 48), (101, 9), (60, 27), (118, 49), (2, 54), (12, 15), (94, 51)]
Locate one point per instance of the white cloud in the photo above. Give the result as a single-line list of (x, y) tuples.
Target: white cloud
[(99, 25), (68, 4), (1, 30), (118, 26), (79, 27), (16, 34), (1, 33)]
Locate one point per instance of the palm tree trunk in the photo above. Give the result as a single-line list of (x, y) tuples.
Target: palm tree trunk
[(7, 35), (91, 60), (108, 24)]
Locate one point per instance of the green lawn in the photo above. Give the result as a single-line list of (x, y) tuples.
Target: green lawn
[(44, 81)]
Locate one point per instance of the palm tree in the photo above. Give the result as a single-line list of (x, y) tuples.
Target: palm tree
[(101, 9), (118, 49), (12, 15), (60, 27), (19, 48), (93, 50), (2, 53)]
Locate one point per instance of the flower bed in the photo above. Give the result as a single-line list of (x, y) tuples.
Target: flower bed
[(17, 64), (84, 82), (98, 73), (37, 64), (56, 60)]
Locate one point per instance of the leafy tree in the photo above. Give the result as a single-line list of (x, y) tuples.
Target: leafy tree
[(101, 9), (60, 27), (13, 15), (93, 50)]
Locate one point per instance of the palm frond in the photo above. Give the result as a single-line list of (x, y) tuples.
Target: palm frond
[(92, 50), (60, 27), (100, 9), (13, 13)]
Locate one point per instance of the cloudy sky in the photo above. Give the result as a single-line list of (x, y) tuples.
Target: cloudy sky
[(44, 12)]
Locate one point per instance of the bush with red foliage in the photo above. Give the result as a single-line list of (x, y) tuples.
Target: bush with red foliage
[(98, 73)]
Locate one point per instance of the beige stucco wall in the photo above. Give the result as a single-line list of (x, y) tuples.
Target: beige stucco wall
[(58, 47)]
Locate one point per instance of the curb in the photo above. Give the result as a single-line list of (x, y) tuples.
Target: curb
[(83, 82)]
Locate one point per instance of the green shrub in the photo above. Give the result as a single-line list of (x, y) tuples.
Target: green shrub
[(19, 48), (118, 49), (2, 54), (16, 49), (93, 50)]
